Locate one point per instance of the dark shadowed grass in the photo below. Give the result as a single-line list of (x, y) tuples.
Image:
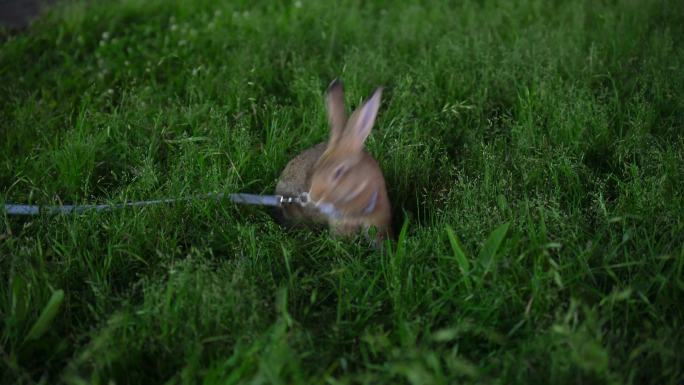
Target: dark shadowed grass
[(533, 152)]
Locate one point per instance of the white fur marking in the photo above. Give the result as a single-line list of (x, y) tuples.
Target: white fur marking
[(372, 203), (356, 192)]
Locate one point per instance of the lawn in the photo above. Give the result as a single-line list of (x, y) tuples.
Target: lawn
[(534, 156)]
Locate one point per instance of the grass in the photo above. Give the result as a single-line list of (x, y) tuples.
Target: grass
[(533, 152)]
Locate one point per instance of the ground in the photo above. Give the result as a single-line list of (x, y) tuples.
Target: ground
[(18, 14), (533, 152)]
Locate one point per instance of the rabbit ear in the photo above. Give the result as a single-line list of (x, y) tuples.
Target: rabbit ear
[(362, 120), (336, 116)]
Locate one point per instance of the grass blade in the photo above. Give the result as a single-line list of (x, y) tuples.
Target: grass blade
[(46, 316), (491, 246), (19, 304), (459, 256)]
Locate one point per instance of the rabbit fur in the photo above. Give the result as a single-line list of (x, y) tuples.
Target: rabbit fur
[(344, 183)]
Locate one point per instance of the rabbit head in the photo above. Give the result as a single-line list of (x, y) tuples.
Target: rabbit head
[(346, 181)]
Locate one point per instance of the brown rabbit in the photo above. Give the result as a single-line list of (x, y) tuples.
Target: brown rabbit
[(344, 183)]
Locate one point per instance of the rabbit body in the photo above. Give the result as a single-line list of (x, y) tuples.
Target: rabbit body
[(345, 185), (296, 179)]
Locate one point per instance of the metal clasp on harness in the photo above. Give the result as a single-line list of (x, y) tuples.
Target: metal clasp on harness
[(301, 199)]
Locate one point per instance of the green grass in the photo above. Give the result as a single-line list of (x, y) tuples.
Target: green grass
[(533, 151)]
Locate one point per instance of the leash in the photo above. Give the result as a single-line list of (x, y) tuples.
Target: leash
[(241, 198)]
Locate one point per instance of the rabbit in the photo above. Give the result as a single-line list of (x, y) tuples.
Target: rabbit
[(345, 186)]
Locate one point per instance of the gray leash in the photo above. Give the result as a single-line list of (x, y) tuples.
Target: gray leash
[(249, 199)]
